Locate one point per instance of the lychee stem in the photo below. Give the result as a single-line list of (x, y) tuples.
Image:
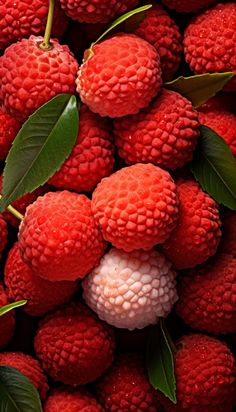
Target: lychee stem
[(15, 212), (46, 45)]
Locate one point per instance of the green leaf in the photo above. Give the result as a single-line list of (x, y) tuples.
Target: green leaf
[(17, 393), (200, 88), (160, 363), (40, 148), (11, 306), (215, 168)]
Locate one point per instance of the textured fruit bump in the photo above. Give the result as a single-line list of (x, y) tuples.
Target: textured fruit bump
[(69, 400), (9, 128), (7, 321), (188, 6)]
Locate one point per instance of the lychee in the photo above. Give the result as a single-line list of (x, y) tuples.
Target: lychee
[(228, 240), (7, 321), (164, 134), (188, 6), (71, 400), (136, 207), (120, 77), (3, 234), (9, 128), (59, 238), (74, 346)]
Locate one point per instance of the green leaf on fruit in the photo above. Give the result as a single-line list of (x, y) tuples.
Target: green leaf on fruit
[(200, 88), (160, 363), (214, 167), (17, 393), (7, 308), (44, 142)]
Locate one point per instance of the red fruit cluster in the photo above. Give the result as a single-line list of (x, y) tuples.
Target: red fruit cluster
[(69, 400)]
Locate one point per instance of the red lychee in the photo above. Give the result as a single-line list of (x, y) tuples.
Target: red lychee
[(7, 321), (228, 240), (3, 234), (188, 6), (70, 400), (9, 128)]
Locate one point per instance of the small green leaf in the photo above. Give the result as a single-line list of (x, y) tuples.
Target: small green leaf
[(200, 88), (40, 148), (17, 393), (11, 306), (215, 168), (160, 362)]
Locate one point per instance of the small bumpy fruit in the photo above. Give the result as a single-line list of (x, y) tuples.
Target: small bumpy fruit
[(188, 6), (131, 290), (228, 240), (209, 41), (165, 133), (59, 238), (7, 321), (93, 11), (9, 128), (197, 234), (160, 30), (207, 296), (74, 346), (126, 387), (30, 76), (205, 376), (120, 77), (70, 400), (3, 234), (22, 283), (92, 157), (136, 207), (29, 367)]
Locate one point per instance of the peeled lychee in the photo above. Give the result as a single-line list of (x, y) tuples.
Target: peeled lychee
[(59, 238), (228, 240), (165, 133), (70, 400), (9, 128), (136, 207), (30, 76), (188, 6), (7, 321), (74, 346), (120, 77)]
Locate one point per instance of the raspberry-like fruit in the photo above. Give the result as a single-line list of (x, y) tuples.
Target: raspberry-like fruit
[(131, 290), (121, 77), (3, 234), (70, 400), (29, 367), (74, 346), (136, 207), (160, 30), (30, 76), (197, 234), (92, 157), (205, 376), (188, 6), (59, 237), (228, 240), (209, 41), (164, 134), (207, 296), (9, 128), (7, 321), (22, 283)]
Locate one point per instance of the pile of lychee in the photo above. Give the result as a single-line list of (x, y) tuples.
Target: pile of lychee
[(122, 234)]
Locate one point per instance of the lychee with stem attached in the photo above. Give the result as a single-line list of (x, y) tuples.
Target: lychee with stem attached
[(9, 128), (7, 321), (71, 400)]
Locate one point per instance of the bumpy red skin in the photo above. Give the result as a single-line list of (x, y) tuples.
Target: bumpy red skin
[(228, 240), (197, 234), (126, 387), (69, 400), (136, 207), (29, 367), (42, 296), (59, 238), (209, 41), (3, 234), (207, 296), (188, 6), (9, 128), (93, 11), (160, 30), (7, 321), (30, 76), (205, 376), (92, 157), (164, 134), (21, 18), (121, 77), (74, 346)]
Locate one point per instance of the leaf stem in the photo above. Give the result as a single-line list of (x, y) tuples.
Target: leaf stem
[(46, 45), (15, 212)]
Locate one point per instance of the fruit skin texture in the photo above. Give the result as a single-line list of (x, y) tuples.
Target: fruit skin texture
[(74, 346), (92, 11), (125, 387), (131, 290), (59, 238), (209, 41), (165, 133), (92, 157), (7, 321), (9, 128), (22, 283), (69, 400), (160, 30), (3, 234), (29, 367), (205, 376), (197, 234), (136, 207), (228, 240), (31, 76), (122, 76), (207, 296), (21, 18), (188, 6)]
